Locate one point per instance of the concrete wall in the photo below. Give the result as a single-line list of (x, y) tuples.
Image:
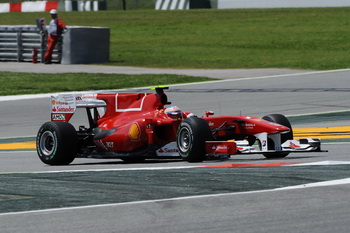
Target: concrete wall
[(232, 4), (83, 45)]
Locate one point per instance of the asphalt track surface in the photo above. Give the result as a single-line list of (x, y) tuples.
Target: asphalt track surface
[(300, 193)]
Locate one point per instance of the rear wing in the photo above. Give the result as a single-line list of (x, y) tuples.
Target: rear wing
[(63, 106)]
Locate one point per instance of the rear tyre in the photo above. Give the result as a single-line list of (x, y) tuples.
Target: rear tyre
[(282, 120), (57, 143), (191, 136)]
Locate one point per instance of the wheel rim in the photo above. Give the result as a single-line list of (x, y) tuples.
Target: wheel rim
[(184, 140), (47, 143)]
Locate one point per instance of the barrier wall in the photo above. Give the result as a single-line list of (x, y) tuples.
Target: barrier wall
[(182, 4), (40, 6), (83, 45), (172, 5), (80, 45), (17, 44), (232, 4), (34, 6), (84, 5)]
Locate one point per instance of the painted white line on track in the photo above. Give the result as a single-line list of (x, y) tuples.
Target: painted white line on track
[(16, 151), (318, 113), (39, 96), (265, 77), (104, 170), (310, 185), (321, 163), (119, 169), (335, 143), (318, 184)]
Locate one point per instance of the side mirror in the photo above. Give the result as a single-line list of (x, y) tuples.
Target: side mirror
[(209, 113)]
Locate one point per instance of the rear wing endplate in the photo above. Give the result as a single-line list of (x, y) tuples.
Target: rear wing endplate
[(63, 106)]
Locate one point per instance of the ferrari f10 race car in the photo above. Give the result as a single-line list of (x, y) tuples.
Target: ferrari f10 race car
[(137, 126)]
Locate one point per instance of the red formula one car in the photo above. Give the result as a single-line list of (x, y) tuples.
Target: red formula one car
[(137, 126)]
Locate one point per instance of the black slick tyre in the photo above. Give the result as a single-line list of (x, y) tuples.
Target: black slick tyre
[(191, 136), (282, 120), (57, 143)]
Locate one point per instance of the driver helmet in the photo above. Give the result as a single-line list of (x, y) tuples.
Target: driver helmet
[(174, 112)]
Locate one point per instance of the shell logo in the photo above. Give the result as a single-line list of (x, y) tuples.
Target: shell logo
[(135, 132), (53, 102)]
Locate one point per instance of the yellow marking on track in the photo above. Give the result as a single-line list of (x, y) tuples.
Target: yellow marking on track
[(18, 145), (322, 133)]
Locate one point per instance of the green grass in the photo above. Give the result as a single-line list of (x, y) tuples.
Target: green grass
[(29, 83), (312, 38)]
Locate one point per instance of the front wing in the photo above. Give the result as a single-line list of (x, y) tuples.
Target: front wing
[(243, 147), (289, 146), (218, 148)]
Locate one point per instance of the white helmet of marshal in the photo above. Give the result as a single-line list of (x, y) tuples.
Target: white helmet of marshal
[(53, 12)]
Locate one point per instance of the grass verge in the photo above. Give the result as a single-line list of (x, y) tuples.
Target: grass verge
[(308, 38), (30, 83)]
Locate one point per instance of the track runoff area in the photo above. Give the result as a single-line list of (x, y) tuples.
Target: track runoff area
[(125, 184), (71, 189)]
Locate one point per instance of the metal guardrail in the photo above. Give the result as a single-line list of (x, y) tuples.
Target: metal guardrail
[(18, 42)]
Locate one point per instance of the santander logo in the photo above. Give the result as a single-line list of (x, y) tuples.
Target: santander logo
[(168, 150)]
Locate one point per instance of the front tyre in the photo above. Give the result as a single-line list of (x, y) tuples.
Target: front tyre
[(191, 136), (282, 120), (57, 143)]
